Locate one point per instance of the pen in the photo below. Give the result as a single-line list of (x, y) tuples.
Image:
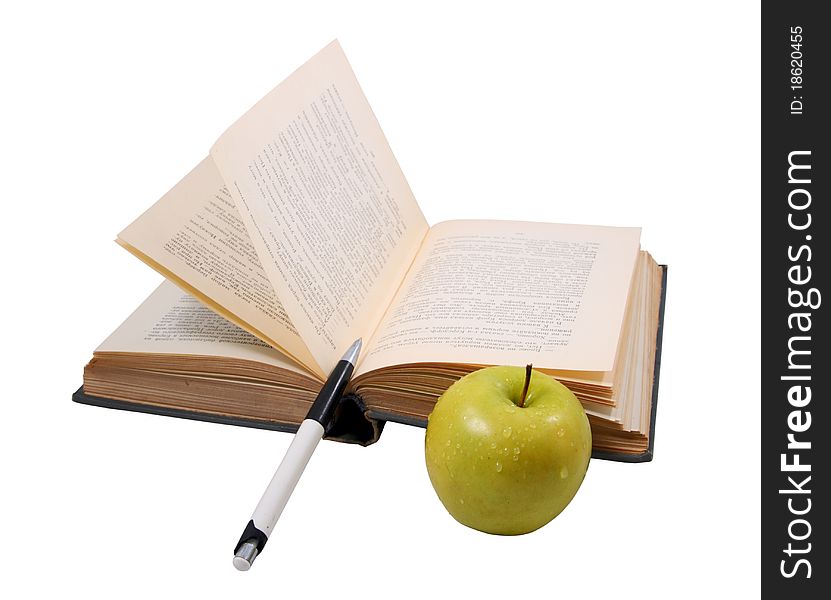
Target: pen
[(310, 432)]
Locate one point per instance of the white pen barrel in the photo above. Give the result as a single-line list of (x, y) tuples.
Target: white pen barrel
[(279, 491)]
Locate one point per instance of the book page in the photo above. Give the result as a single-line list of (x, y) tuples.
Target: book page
[(171, 321), (194, 236), (328, 209), (512, 293)]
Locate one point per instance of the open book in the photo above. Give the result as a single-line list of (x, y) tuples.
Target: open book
[(300, 234)]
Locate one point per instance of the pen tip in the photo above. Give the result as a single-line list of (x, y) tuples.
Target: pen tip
[(352, 354)]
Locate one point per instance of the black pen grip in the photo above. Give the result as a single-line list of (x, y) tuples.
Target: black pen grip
[(323, 408)]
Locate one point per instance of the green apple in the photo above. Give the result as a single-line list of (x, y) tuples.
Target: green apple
[(507, 449)]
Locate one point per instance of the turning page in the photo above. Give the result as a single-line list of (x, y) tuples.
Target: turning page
[(194, 237), (511, 293), (328, 209)]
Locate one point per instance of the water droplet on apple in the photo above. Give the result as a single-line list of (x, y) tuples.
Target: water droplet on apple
[(447, 443), (493, 444), (516, 450), (516, 458), (563, 472), (507, 432), (458, 445), (532, 425), (561, 432), (498, 467)]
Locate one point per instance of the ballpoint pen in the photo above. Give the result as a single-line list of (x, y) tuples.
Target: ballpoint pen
[(310, 432)]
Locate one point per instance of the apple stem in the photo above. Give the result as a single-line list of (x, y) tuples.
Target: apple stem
[(525, 387)]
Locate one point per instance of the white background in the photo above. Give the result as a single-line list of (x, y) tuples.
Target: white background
[(618, 113)]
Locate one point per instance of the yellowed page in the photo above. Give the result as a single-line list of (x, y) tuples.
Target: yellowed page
[(329, 211), (194, 236), (171, 321), (506, 292)]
